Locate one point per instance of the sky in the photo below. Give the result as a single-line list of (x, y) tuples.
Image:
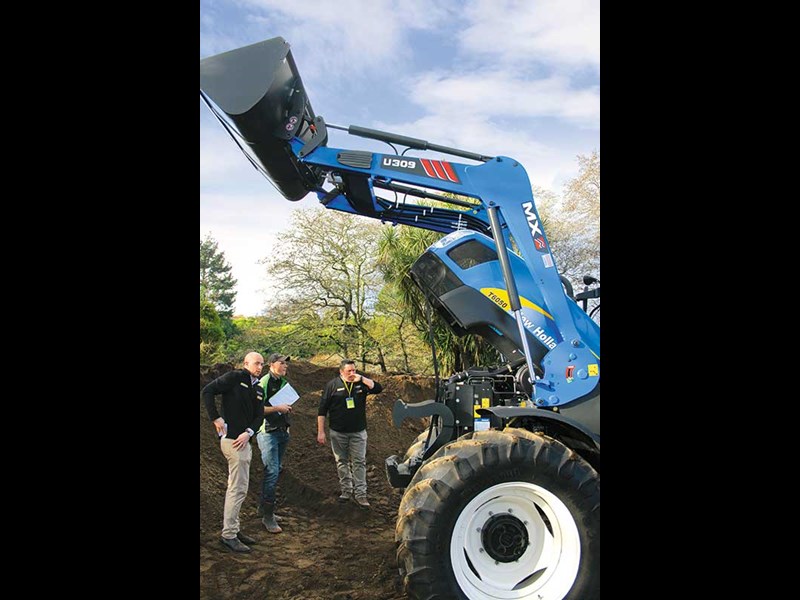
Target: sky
[(516, 78)]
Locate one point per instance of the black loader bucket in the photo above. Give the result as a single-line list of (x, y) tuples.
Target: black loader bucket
[(260, 92)]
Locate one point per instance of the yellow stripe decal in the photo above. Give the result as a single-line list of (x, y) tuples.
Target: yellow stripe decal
[(500, 297)]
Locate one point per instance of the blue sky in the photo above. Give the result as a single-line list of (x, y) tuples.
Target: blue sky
[(518, 78)]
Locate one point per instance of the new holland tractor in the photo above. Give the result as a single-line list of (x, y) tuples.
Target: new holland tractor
[(502, 491)]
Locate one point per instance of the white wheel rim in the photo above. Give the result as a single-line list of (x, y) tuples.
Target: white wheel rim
[(547, 568)]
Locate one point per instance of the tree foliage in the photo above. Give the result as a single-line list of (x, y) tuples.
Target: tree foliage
[(326, 269), (268, 334), (572, 222), (217, 284), (212, 334), (583, 194), (404, 348), (398, 249)]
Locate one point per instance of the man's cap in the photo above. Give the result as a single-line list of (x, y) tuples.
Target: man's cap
[(275, 357)]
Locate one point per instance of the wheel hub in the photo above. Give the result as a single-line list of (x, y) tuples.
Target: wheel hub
[(504, 537)]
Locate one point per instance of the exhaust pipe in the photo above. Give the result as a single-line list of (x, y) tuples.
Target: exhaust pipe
[(259, 90)]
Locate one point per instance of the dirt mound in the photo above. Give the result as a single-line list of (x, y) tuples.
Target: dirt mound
[(327, 550)]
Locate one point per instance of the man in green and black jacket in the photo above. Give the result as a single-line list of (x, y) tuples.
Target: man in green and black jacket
[(273, 437)]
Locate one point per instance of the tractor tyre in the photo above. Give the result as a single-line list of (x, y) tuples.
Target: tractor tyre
[(501, 515)]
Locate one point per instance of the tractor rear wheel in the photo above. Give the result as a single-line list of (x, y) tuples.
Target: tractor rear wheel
[(501, 515)]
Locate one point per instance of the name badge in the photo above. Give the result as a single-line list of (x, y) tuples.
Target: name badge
[(351, 403), (244, 385)]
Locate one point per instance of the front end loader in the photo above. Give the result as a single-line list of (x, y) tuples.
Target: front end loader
[(502, 491)]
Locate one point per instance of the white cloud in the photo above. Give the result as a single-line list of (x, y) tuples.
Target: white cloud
[(252, 284), (545, 166), (245, 227), (517, 78), (220, 159), (350, 37), (214, 41), (498, 93), (565, 32)]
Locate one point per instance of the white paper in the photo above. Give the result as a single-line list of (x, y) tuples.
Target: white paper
[(285, 395)]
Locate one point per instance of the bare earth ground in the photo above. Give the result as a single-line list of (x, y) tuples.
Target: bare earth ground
[(328, 550)]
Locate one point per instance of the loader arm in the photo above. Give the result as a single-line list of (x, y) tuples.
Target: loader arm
[(499, 184), (258, 96)]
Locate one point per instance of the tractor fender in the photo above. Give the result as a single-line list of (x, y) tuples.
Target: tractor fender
[(578, 430)]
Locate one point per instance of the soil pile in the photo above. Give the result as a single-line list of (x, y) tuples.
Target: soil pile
[(328, 550)]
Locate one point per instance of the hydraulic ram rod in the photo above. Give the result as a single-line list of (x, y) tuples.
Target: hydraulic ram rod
[(417, 143), (513, 295)]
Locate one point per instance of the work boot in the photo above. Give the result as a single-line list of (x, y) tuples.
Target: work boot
[(344, 497), (260, 512), (269, 518), (362, 501), (274, 513), (234, 545), (246, 539)]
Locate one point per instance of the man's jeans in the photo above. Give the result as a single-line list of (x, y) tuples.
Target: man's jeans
[(272, 446)]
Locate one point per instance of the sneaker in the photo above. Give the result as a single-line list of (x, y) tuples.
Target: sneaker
[(246, 539), (234, 545), (362, 501), (344, 497)]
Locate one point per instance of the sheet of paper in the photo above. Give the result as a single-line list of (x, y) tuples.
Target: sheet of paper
[(285, 395)]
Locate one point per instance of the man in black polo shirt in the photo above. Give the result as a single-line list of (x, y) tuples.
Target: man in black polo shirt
[(242, 414), (344, 401)]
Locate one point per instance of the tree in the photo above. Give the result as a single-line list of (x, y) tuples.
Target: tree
[(392, 318), (398, 249), (326, 266), (269, 333), (572, 223), (583, 192), (211, 333), (217, 284)]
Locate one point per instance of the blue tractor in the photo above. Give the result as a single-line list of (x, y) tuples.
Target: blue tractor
[(502, 492)]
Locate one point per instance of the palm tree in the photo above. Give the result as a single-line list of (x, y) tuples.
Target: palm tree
[(398, 248)]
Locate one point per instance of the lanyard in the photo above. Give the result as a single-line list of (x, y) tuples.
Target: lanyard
[(350, 389)]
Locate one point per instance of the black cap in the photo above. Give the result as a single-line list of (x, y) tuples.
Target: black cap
[(275, 357)]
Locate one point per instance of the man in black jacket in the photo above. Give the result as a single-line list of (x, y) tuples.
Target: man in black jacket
[(242, 414), (344, 400)]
